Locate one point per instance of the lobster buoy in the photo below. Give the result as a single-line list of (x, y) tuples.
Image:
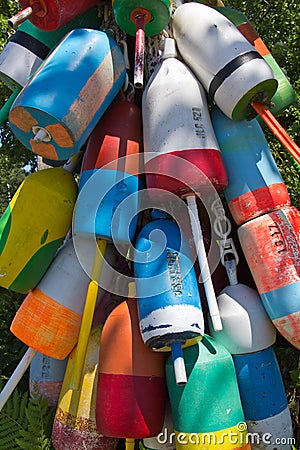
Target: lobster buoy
[(174, 108), (271, 247), (107, 205), (264, 399), (169, 303), (246, 326), (259, 187), (49, 318), (285, 94), (131, 390), (230, 69), (199, 420), (34, 226), (62, 103), (46, 377), (29, 46), (49, 15), (74, 425)]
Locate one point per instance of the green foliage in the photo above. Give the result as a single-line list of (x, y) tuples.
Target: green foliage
[(26, 423)]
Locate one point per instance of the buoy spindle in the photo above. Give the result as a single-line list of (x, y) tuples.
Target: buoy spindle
[(179, 365), (88, 313), (140, 22), (16, 376), (24, 14), (278, 131), (203, 263)]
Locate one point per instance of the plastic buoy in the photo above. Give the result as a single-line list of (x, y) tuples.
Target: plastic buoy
[(131, 390), (50, 316), (46, 377), (169, 303), (264, 399), (74, 425), (49, 14), (285, 94), (271, 247), (29, 46), (229, 67), (108, 204), (259, 187), (33, 227), (54, 114), (199, 420), (174, 107)]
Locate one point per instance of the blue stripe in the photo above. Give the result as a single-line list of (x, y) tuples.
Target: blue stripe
[(282, 301), (260, 383)]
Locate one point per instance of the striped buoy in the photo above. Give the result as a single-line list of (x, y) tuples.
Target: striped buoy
[(108, 200), (255, 185), (230, 69), (33, 227), (46, 377), (29, 46), (271, 247), (62, 103), (131, 389), (50, 316)]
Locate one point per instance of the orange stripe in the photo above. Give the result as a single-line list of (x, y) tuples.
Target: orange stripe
[(251, 35), (93, 93), (108, 153), (122, 350), (60, 135), (43, 149), (133, 158), (22, 119), (45, 325)]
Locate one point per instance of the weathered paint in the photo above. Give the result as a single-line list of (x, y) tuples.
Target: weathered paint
[(255, 185), (271, 247), (263, 397), (46, 377), (34, 226), (70, 92), (159, 10), (204, 405), (181, 151), (231, 88), (74, 424), (167, 289), (131, 385)]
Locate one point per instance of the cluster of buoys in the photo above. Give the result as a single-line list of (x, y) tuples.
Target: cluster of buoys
[(122, 337)]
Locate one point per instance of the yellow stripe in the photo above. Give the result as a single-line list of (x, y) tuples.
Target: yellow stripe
[(227, 439)]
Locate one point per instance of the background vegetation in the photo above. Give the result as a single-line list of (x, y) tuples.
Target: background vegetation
[(278, 24)]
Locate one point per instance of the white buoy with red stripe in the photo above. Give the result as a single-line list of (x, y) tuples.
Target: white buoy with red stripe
[(229, 67)]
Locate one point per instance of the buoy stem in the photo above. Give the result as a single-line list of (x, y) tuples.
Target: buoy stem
[(203, 263), (87, 317), (16, 376), (20, 17), (179, 365), (138, 80), (278, 131), (129, 444)]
